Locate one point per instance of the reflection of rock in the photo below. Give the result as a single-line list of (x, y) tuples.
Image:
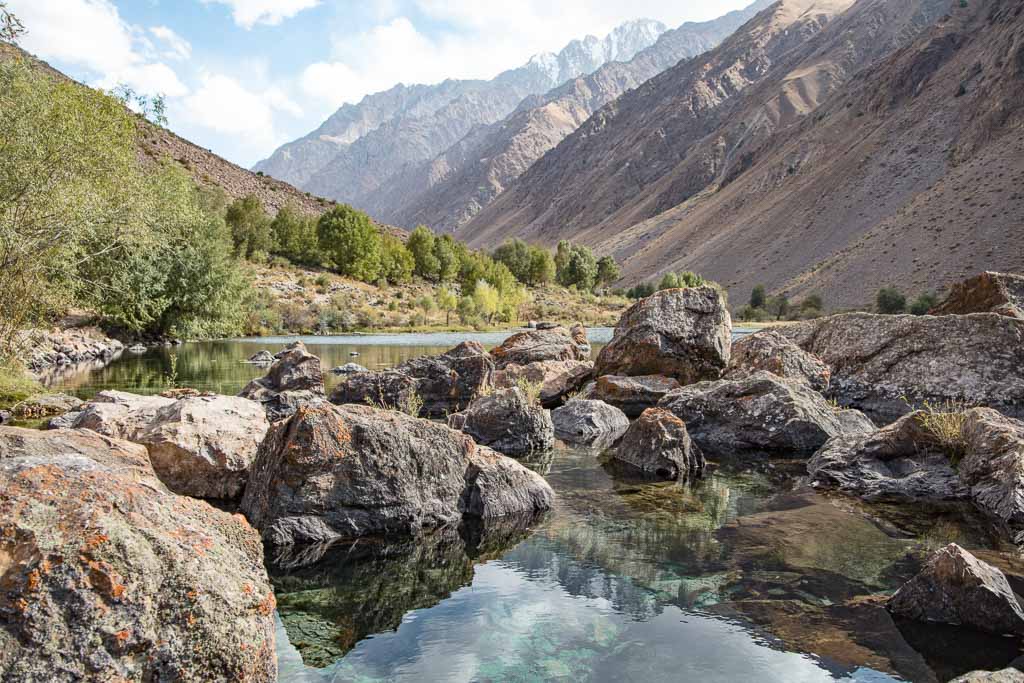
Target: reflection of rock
[(505, 421), (589, 422), (263, 357), (956, 588), (657, 443), (295, 379), (45, 405), (348, 369)]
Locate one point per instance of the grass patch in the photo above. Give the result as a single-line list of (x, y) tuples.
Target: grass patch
[(16, 386), (944, 423), (531, 390)]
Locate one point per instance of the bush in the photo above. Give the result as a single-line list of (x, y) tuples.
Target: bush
[(890, 301), (530, 265), (575, 265), (750, 313), (758, 298), (397, 262), (295, 236), (641, 291), (924, 303), (250, 227), (351, 241)]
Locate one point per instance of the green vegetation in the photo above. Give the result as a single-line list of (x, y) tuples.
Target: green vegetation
[(924, 303), (15, 386), (529, 264), (763, 308), (758, 298), (351, 241), (890, 301)]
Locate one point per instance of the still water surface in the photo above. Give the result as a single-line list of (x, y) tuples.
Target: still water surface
[(745, 575)]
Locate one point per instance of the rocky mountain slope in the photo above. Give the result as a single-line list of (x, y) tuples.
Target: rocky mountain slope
[(361, 146), (827, 146), (450, 189)]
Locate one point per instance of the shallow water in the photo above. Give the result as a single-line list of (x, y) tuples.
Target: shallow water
[(744, 575)]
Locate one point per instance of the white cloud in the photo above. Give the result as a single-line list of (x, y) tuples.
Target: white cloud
[(225, 105), (176, 47), (248, 13)]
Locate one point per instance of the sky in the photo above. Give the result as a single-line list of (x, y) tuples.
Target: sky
[(242, 77)]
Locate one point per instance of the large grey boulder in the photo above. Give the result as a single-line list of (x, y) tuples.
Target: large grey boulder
[(680, 333), (990, 292), (555, 343), (1008, 675), (295, 379), (993, 467), (761, 413), (348, 369), (632, 395), (888, 365), (346, 471), (508, 422), (557, 378), (119, 413), (657, 443), (588, 422), (109, 576), (770, 351), (956, 588)]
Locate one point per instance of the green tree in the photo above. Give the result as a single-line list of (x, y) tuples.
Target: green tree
[(542, 266), (608, 270), (467, 310), (487, 299), (778, 306), (515, 254), (397, 263), (421, 245), (250, 227), (446, 251), (668, 281), (426, 304), (890, 301), (562, 253), (688, 278), (447, 302), (351, 241), (924, 303), (640, 291), (758, 298), (580, 269), (295, 236)]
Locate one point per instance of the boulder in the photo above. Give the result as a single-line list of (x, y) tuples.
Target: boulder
[(65, 421), (990, 292), (956, 588), (657, 443), (506, 421), (345, 471), (294, 379), (557, 378), (544, 343), (385, 389), (680, 333), (761, 413), (5, 416), (348, 369), (119, 413), (108, 576), (992, 467), (263, 357), (632, 395), (889, 365), (69, 347), (46, 405), (589, 422), (1008, 675), (770, 351)]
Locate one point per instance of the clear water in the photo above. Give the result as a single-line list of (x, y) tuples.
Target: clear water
[(745, 575)]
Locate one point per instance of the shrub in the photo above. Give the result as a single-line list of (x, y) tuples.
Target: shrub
[(352, 242), (250, 227), (608, 270), (924, 303), (531, 390), (758, 298), (890, 301), (944, 423)]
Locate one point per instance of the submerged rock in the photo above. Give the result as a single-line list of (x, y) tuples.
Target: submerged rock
[(543, 344), (632, 395), (990, 292), (770, 351), (588, 422), (955, 587), (679, 333), (347, 471), (557, 378), (295, 379), (888, 365), (760, 413), (109, 576), (657, 443), (507, 422)]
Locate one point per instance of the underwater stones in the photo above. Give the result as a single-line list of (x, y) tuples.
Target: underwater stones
[(770, 351), (657, 443), (760, 413), (557, 378), (345, 471), (632, 395), (109, 576), (542, 344), (888, 365), (956, 588), (295, 379), (507, 422), (497, 486), (584, 421), (679, 333)]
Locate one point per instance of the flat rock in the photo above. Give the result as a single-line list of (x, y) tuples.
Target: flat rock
[(770, 351), (657, 443), (505, 421), (384, 389), (109, 576), (557, 378), (956, 588), (760, 413), (990, 292), (293, 380), (542, 344), (632, 395), (584, 421), (680, 333), (889, 365)]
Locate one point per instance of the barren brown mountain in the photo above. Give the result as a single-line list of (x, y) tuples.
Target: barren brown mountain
[(826, 147)]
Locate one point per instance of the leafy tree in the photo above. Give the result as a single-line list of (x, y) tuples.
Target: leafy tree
[(427, 305), (515, 254), (487, 299), (668, 281), (397, 263), (446, 251), (778, 306), (562, 253), (250, 227), (812, 302), (352, 242), (924, 303), (890, 301), (542, 267), (758, 298), (688, 278), (640, 291), (608, 270), (153, 107), (295, 236), (421, 246), (447, 302), (467, 310), (580, 268), (10, 27)]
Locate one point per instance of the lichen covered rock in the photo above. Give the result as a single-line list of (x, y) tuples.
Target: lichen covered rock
[(557, 378), (506, 421), (588, 422), (770, 351), (295, 379), (657, 443), (632, 395), (990, 292), (550, 343)]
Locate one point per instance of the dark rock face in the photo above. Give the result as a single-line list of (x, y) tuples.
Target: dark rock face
[(632, 395), (993, 467), (589, 422), (657, 443), (497, 486), (956, 588), (772, 352), (347, 471), (555, 343), (1001, 293), (293, 380), (386, 388), (557, 378), (109, 576), (679, 333), (761, 413), (877, 361), (505, 421)]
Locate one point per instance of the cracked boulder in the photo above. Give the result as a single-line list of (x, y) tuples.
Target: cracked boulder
[(586, 422), (632, 395), (550, 343), (557, 378)]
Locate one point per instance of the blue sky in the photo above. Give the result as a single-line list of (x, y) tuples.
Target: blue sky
[(243, 76)]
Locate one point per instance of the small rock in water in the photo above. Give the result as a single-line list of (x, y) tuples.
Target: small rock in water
[(353, 353), (5, 416), (137, 348), (348, 369), (588, 422), (658, 443), (507, 422), (261, 358)]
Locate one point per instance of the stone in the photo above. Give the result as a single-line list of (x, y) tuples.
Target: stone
[(263, 357), (497, 486), (119, 413), (137, 348), (632, 395), (1007, 675), (65, 421), (679, 333), (956, 588), (889, 365), (990, 292), (507, 422), (346, 471), (657, 443), (5, 416), (761, 413), (542, 344), (109, 576), (46, 405), (993, 467), (589, 422), (348, 369), (293, 380), (69, 347), (385, 389), (770, 351), (558, 379)]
